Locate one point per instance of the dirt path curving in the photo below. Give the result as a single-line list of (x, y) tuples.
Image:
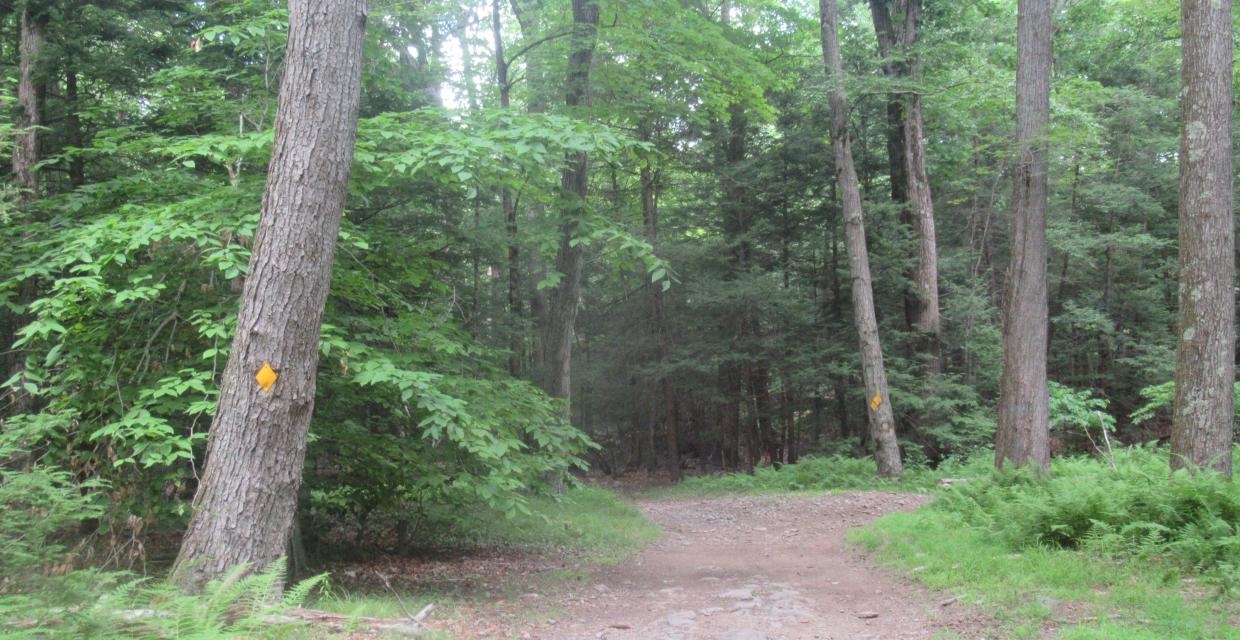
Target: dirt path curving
[(756, 568)]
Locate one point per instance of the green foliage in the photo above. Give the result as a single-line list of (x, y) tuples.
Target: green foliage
[(41, 503), (1159, 398)]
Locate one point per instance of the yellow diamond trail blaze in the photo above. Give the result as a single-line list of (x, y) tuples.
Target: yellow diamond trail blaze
[(875, 402), (266, 377)]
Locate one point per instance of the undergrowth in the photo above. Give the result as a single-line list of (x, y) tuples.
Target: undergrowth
[(1101, 549), (829, 473)]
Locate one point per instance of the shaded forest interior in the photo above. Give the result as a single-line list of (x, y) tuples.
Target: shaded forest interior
[(665, 235)]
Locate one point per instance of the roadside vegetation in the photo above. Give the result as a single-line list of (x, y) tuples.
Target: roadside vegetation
[(1105, 548), (587, 526)]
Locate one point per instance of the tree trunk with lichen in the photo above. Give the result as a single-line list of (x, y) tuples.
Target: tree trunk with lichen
[(1203, 421)]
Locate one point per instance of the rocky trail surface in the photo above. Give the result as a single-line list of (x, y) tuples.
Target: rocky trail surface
[(756, 568)]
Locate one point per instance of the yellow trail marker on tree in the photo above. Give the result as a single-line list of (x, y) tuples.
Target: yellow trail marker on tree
[(875, 402), (266, 377)]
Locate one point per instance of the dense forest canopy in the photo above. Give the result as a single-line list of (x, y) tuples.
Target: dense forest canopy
[(583, 235)]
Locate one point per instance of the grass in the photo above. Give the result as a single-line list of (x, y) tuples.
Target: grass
[(588, 522), (1079, 592)]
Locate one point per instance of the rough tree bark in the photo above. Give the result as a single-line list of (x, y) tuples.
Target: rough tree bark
[(244, 508), (574, 183), (1202, 424), (29, 96), (881, 420), (1023, 437)]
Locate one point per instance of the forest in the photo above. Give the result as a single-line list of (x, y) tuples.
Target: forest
[(492, 318)]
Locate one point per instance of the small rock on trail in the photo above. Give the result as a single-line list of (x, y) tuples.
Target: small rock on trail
[(729, 569)]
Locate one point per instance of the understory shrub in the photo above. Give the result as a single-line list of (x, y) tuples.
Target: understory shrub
[(1129, 507)]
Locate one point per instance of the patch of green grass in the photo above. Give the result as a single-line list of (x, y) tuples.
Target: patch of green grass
[(589, 521), (1083, 595), (817, 475), (593, 525), (379, 606)]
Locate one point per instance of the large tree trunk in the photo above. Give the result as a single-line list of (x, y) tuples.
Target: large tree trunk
[(574, 183), (29, 95), (244, 508), (1202, 424), (882, 422), (1023, 436)]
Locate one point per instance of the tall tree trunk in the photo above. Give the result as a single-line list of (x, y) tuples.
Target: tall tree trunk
[(507, 200), (1202, 423), (650, 212), (882, 422), (574, 182), (1023, 436), (244, 508), (896, 70), (29, 97), (910, 184), (921, 206)]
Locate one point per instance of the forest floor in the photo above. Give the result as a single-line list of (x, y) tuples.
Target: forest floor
[(736, 568)]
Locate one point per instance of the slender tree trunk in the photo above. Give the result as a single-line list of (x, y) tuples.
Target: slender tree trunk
[(921, 206), (1202, 424), (73, 126), (244, 508), (881, 417), (29, 97), (650, 212), (1023, 437), (574, 183)]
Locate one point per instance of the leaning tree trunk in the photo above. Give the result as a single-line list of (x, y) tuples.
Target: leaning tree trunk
[(1202, 423), (26, 146), (1023, 436), (882, 422), (244, 508), (574, 182)]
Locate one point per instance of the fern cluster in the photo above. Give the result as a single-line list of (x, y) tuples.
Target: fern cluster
[(105, 606), (1131, 509)]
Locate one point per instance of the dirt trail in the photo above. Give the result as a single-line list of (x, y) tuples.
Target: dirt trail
[(756, 568)]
